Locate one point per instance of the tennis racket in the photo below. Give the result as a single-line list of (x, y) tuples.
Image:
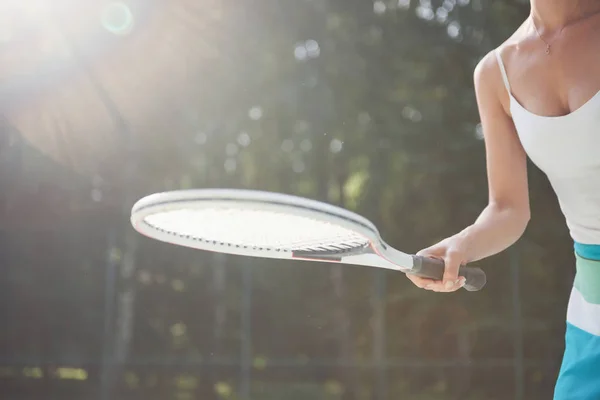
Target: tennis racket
[(273, 225)]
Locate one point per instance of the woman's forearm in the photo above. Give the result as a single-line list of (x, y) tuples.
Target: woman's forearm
[(496, 229)]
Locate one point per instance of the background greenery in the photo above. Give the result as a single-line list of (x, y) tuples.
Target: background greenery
[(365, 105)]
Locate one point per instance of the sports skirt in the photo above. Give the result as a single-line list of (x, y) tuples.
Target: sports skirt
[(579, 376)]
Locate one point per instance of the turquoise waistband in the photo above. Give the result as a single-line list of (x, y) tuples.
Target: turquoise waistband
[(589, 251)]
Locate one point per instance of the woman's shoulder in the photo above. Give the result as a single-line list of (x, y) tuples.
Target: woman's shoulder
[(512, 44), (488, 68)]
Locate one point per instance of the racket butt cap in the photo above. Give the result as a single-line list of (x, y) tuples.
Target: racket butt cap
[(475, 279)]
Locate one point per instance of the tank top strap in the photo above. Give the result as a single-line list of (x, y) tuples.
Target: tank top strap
[(502, 70)]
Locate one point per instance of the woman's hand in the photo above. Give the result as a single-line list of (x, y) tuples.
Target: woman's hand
[(452, 251)]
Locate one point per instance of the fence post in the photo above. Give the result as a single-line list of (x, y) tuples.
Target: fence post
[(106, 377), (517, 322), (246, 333), (379, 337)]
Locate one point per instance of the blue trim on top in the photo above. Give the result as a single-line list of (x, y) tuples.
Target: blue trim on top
[(589, 251)]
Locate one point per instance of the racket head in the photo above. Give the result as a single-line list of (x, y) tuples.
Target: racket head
[(252, 223)]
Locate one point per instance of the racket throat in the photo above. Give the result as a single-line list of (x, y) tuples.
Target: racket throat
[(375, 260)]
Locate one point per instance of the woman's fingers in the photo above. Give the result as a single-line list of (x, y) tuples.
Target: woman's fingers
[(444, 287), (450, 281), (420, 282), (436, 286), (452, 263)]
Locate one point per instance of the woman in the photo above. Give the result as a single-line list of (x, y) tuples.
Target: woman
[(538, 96)]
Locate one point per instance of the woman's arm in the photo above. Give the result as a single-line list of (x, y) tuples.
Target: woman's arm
[(506, 216)]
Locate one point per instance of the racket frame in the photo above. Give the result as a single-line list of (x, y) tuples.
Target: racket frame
[(374, 253)]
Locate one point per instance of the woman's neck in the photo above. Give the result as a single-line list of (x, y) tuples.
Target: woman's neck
[(554, 15)]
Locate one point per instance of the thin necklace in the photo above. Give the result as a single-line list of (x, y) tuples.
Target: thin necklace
[(581, 17), (542, 39)]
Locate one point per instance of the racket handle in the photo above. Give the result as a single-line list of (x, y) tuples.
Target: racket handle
[(432, 268)]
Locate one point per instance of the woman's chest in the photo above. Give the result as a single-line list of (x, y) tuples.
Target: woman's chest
[(558, 83)]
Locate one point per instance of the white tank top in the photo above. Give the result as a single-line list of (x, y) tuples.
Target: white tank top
[(567, 149)]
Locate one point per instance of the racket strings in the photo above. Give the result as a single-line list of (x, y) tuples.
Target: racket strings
[(257, 229)]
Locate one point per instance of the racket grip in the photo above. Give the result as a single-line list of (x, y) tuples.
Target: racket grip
[(432, 268)]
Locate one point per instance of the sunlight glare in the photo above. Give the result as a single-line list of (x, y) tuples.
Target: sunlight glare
[(117, 18)]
